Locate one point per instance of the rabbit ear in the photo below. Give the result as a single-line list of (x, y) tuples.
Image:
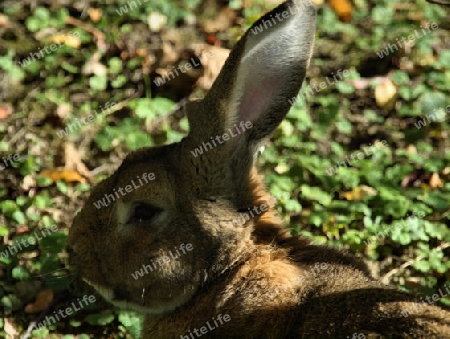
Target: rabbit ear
[(263, 73)]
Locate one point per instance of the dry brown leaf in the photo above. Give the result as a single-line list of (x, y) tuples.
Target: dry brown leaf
[(66, 39), (63, 110), (43, 299), (10, 330), (22, 230), (72, 160), (360, 192), (5, 111), (343, 9), (3, 20), (386, 94), (411, 149), (221, 22), (67, 175), (95, 14), (435, 181), (156, 21), (212, 60), (93, 66)]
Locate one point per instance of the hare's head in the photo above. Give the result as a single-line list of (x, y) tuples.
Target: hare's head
[(169, 221)]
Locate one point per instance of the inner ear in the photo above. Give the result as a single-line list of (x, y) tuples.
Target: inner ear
[(263, 72)]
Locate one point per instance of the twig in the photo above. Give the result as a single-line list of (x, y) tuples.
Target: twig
[(439, 2), (385, 278), (98, 34)]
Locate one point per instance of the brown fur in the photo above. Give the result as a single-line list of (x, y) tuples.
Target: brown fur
[(254, 272)]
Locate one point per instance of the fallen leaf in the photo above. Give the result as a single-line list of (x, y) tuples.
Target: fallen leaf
[(386, 94), (411, 149), (72, 160), (221, 22), (360, 192), (5, 111), (22, 230), (3, 20), (435, 181), (43, 299), (63, 110), (156, 21), (343, 9), (212, 59), (67, 175), (94, 66), (66, 39), (27, 290), (95, 14), (10, 330), (331, 227)]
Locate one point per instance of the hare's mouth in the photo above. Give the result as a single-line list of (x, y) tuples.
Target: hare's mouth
[(120, 300)]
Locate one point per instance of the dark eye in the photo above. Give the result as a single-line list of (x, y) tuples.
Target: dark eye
[(143, 213)]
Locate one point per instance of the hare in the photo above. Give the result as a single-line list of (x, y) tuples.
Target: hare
[(192, 242)]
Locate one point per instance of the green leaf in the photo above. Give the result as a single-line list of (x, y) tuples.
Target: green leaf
[(10, 302), (19, 217), (115, 65), (8, 207), (75, 323), (316, 193), (52, 242), (432, 103), (20, 273), (132, 321), (40, 333), (42, 201), (436, 199), (345, 88), (152, 108), (422, 266), (400, 77), (444, 57), (4, 231), (100, 319), (98, 82)]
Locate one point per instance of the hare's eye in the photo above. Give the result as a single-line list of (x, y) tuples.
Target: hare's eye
[(142, 213)]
